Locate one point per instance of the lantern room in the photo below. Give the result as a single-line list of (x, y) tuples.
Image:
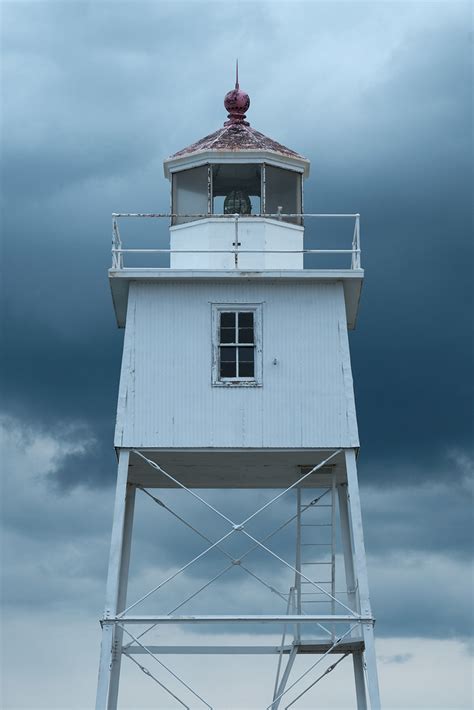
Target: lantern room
[(236, 194)]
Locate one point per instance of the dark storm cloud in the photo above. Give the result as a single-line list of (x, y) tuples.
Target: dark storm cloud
[(93, 100), (89, 115)]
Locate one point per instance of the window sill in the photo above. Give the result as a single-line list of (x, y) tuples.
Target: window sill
[(236, 383)]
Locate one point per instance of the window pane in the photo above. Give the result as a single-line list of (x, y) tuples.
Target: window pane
[(228, 354), (227, 335), (228, 369), (246, 370), (189, 193), (246, 362), (236, 188), (228, 365), (227, 320), (245, 335), (246, 320), (283, 189), (246, 354)]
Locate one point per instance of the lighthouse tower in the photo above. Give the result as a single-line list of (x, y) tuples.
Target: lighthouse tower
[(236, 374)]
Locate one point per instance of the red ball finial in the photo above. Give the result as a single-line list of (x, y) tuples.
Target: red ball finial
[(236, 102)]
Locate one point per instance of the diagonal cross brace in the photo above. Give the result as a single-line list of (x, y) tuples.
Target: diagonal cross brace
[(175, 676), (229, 567), (236, 527)]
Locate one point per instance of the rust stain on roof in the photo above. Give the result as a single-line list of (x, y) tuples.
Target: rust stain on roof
[(235, 137)]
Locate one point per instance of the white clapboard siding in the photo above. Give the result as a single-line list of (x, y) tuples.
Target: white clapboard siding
[(166, 396)]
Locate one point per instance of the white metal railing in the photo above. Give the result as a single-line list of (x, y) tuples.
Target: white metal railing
[(118, 250)]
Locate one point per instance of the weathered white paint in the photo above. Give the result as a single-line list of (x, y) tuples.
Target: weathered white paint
[(115, 592), (166, 397), (219, 234), (351, 280), (360, 565), (234, 157)]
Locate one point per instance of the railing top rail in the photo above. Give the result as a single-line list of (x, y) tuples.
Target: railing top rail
[(276, 215)]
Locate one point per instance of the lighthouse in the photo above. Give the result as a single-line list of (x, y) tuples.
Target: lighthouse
[(236, 375)]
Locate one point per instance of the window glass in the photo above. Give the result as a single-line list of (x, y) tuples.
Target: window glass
[(227, 328), (245, 332), (236, 189), (190, 193), (246, 362), (283, 189)]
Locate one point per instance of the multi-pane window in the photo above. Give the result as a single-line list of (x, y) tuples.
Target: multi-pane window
[(237, 345)]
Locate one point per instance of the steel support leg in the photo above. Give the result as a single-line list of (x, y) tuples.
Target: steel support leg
[(109, 666), (284, 680), (347, 547), (357, 658), (361, 577), (122, 595), (298, 563), (359, 678)]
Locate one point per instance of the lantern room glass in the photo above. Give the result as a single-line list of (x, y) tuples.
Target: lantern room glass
[(236, 189), (228, 189), (283, 191), (190, 194)]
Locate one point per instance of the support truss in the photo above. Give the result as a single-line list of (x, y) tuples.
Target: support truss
[(345, 626)]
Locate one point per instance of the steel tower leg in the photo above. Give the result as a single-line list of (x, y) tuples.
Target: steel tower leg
[(357, 658), (116, 592), (362, 579), (358, 661), (122, 595)]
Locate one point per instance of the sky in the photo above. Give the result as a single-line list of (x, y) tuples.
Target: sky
[(378, 95)]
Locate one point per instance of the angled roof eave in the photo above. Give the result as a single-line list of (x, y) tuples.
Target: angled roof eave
[(244, 155)]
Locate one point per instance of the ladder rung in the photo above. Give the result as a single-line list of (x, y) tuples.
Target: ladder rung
[(316, 594), (316, 563), (316, 581)]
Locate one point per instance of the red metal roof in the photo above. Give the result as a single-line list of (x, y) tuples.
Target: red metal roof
[(235, 137)]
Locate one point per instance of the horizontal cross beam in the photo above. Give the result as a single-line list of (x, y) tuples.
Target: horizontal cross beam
[(352, 646), (246, 618)]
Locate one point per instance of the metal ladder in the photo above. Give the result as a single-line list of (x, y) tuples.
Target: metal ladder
[(315, 560), (316, 549)]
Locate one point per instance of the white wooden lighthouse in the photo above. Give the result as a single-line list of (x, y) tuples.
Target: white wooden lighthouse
[(236, 374)]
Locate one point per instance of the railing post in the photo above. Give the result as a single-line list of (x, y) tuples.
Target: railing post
[(236, 241), (355, 263), (114, 244), (357, 242), (117, 257)]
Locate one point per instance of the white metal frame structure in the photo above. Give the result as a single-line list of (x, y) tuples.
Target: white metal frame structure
[(325, 613), (346, 630)]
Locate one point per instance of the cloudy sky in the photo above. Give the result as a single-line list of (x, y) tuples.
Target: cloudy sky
[(378, 95)]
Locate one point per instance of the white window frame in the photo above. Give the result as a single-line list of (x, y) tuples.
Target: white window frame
[(256, 380)]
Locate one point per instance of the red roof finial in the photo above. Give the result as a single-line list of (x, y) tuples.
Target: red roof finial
[(236, 102)]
